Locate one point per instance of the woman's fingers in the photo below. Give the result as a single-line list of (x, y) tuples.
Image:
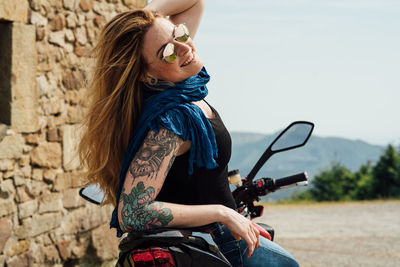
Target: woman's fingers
[(252, 240), (250, 245), (257, 233), (241, 227)]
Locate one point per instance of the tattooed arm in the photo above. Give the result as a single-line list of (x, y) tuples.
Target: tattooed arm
[(138, 210)]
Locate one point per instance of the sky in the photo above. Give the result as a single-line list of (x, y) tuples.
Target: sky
[(333, 62)]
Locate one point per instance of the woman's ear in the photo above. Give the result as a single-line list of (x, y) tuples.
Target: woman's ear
[(149, 79)]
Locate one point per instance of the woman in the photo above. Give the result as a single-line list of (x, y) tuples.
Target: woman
[(158, 150)]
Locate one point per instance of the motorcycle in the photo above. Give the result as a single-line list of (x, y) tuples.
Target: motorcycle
[(180, 247)]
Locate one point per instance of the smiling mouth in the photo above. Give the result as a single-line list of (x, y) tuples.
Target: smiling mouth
[(188, 61)]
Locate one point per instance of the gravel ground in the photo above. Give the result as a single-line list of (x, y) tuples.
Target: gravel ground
[(338, 234)]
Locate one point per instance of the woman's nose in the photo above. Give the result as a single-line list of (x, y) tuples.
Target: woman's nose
[(182, 48)]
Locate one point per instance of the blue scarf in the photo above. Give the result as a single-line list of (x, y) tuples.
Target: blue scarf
[(172, 109)]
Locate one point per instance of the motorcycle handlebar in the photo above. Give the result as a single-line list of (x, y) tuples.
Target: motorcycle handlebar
[(289, 180)]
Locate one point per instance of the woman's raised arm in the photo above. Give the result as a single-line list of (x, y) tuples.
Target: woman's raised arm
[(188, 12)]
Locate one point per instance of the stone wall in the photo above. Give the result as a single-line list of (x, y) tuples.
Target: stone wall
[(43, 72)]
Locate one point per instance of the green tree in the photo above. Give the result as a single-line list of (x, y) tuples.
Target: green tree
[(365, 182), (386, 174), (334, 184)]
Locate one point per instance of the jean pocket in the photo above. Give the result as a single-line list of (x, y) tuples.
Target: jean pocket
[(231, 251)]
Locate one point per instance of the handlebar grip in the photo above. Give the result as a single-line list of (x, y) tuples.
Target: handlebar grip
[(300, 177)]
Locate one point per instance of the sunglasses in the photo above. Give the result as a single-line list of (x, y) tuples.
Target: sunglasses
[(181, 34)]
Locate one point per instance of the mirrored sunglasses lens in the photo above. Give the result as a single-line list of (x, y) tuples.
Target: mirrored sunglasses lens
[(170, 58), (181, 33), (169, 53)]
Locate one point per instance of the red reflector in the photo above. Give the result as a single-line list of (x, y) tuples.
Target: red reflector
[(259, 184), (153, 257), (143, 256)]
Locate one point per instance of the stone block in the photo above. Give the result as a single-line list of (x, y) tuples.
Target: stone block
[(54, 106), (37, 253), (75, 114), (43, 85), (71, 199), (81, 35), (69, 36), (73, 80), (7, 206), (32, 139), (5, 231), (58, 22), (57, 38), (64, 249), (22, 194), (72, 97), (8, 174), (18, 176), (68, 180), (40, 33), (54, 135), (15, 10), (27, 209), (18, 247), (71, 137), (11, 147), (18, 90), (37, 225), (47, 154), (84, 219), (82, 51), (37, 174), (35, 188), (50, 203), (51, 255), (81, 19), (6, 165), (37, 19), (50, 175), (24, 162), (71, 20), (105, 242), (70, 4), (97, 20), (86, 5), (26, 170), (24, 259), (7, 189)]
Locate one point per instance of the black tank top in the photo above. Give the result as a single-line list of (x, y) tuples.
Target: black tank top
[(203, 186)]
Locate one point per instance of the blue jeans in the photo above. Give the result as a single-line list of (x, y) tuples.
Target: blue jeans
[(267, 254)]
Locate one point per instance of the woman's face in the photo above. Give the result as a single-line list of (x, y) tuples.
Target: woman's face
[(187, 62)]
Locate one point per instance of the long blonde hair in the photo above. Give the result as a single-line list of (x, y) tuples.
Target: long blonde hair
[(114, 98)]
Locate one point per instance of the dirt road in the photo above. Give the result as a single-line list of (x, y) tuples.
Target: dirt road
[(344, 234)]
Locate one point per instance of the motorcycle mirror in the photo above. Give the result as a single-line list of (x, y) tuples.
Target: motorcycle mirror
[(295, 135), (92, 193)]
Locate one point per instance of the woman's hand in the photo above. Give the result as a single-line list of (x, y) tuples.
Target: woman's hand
[(241, 227), (188, 12)]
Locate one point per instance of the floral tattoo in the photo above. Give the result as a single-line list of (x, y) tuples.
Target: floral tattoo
[(150, 156), (140, 212)]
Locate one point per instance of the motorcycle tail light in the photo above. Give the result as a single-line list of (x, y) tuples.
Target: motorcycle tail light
[(157, 257)]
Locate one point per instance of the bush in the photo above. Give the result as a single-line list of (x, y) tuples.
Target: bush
[(370, 182)]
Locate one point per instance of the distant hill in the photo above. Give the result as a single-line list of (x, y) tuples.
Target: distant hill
[(316, 155)]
